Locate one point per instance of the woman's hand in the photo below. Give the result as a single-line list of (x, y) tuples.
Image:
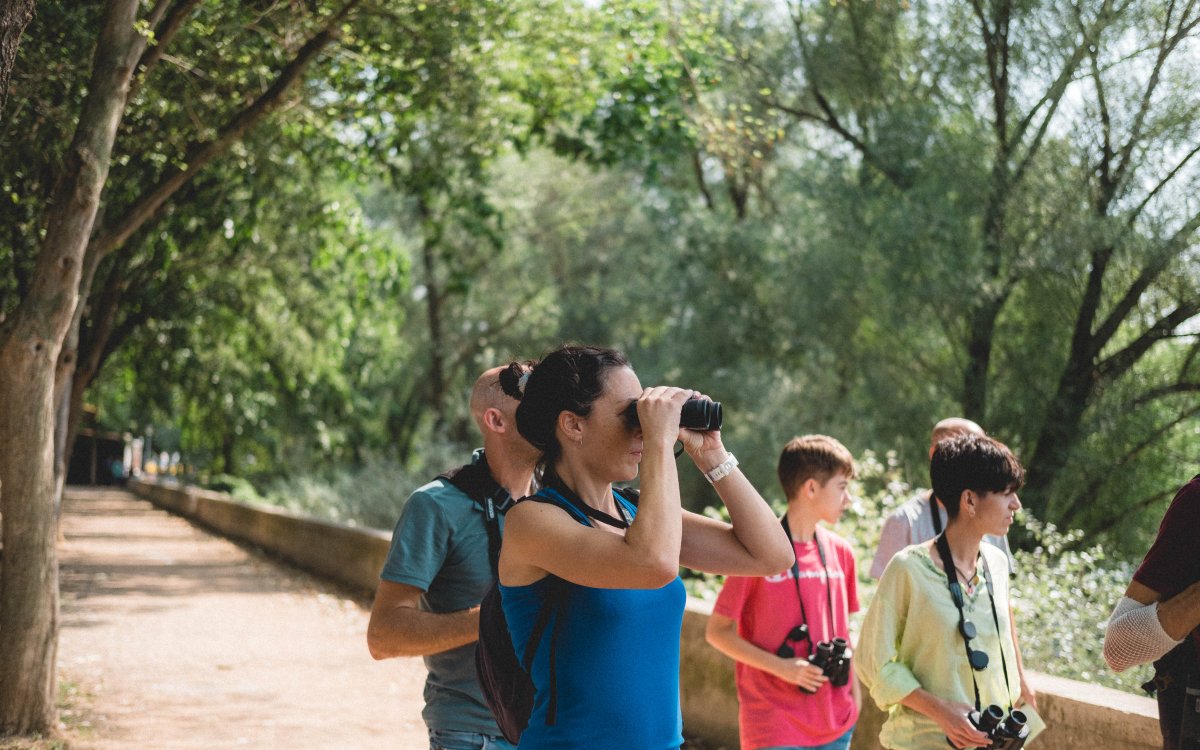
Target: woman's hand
[(658, 411), (703, 446), (800, 672), (952, 718), (1028, 696)]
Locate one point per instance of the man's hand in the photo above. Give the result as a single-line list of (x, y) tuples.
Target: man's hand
[(399, 627)]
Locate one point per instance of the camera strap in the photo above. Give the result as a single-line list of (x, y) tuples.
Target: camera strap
[(943, 547), (935, 509), (796, 576)]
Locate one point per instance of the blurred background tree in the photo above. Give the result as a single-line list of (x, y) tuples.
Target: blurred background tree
[(847, 217), (322, 221)]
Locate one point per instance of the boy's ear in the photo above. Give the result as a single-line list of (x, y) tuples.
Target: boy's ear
[(810, 487), (967, 502)]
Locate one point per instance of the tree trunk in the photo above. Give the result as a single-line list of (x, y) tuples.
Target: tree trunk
[(30, 343), (91, 345), (15, 15), (29, 571), (228, 454), (436, 384), (1058, 437), (1060, 428), (982, 329)]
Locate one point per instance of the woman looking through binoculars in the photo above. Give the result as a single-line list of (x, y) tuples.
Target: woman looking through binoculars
[(606, 672), (939, 638)]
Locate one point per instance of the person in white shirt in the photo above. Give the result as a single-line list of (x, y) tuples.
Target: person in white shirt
[(915, 521)]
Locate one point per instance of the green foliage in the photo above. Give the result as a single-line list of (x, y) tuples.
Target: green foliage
[(1062, 596), (803, 210), (370, 496)]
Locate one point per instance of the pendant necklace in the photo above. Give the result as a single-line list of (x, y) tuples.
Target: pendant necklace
[(966, 580)]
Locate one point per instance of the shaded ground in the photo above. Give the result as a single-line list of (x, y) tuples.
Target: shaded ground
[(173, 638)]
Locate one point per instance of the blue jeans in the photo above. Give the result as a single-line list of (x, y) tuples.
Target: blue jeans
[(841, 743), (446, 739)]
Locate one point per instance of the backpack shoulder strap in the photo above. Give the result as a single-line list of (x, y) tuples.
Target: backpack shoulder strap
[(476, 482), (628, 497)]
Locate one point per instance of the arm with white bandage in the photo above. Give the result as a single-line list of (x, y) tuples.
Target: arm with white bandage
[(1142, 628)]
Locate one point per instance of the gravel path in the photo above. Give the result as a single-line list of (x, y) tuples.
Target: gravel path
[(174, 638)]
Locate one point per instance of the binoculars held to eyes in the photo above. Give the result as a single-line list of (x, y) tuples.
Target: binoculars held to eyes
[(833, 657), (698, 414), (1005, 732)]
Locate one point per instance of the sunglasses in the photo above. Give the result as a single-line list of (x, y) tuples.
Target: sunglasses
[(795, 635)]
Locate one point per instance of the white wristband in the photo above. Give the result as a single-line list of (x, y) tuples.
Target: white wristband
[(721, 470)]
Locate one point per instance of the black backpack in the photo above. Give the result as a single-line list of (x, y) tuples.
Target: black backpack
[(507, 686)]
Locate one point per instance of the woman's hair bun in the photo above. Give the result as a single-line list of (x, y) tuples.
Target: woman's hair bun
[(514, 377)]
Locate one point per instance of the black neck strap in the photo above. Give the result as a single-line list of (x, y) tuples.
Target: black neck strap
[(796, 575), (937, 513), (943, 547), (553, 482)]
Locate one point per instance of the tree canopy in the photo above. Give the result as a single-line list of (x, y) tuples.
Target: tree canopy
[(294, 232)]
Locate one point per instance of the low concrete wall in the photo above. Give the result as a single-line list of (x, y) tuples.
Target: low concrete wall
[(346, 554), (1079, 716)]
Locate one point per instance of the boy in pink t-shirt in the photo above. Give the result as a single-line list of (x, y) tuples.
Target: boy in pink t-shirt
[(784, 701)]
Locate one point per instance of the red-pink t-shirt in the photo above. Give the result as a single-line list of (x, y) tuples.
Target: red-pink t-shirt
[(772, 712)]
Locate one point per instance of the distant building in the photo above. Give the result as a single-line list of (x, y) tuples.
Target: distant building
[(99, 458)]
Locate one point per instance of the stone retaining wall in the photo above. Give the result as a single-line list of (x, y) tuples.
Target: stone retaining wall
[(346, 554), (1080, 716)]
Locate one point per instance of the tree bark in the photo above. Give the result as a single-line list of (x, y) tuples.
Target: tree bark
[(15, 15), (31, 340), (436, 384), (979, 358), (92, 342), (228, 455)]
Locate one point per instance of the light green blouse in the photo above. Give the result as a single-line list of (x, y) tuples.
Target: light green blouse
[(910, 640)]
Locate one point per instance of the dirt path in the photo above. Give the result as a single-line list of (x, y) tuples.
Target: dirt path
[(178, 639)]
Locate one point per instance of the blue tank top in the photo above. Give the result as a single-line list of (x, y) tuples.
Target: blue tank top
[(617, 666)]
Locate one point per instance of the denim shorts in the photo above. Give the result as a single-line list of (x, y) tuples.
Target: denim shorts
[(841, 743), (448, 739)]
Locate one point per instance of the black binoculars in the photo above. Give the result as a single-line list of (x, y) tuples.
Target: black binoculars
[(833, 657), (1005, 732), (698, 414)]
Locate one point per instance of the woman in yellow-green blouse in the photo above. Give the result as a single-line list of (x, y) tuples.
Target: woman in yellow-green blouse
[(912, 654)]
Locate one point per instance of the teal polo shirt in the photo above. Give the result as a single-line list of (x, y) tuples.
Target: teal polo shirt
[(440, 545)]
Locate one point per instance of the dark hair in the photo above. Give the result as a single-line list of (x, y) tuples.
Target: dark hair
[(569, 378), (812, 457), (972, 462)]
